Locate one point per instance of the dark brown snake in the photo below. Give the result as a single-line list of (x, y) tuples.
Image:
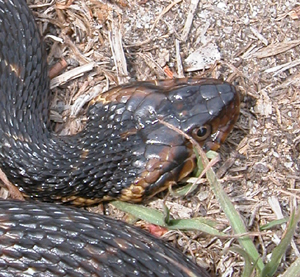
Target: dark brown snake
[(125, 152)]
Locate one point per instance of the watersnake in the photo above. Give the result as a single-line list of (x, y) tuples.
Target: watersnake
[(124, 152)]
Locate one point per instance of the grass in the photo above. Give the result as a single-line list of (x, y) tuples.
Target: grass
[(254, 264)]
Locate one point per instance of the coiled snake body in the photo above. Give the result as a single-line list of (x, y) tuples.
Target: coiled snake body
[(125, 152)]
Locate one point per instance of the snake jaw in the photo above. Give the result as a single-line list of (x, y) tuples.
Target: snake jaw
[(141, 189)]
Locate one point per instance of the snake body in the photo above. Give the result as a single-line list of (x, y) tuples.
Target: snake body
[(125, 151), (43, 239)]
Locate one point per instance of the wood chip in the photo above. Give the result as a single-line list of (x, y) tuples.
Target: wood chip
[(180, 71), (14, 192), (71, 75), (189, 20), (57, 68), (295, 13), (259, 36), (116, 45), (280, 68), (276, 48)]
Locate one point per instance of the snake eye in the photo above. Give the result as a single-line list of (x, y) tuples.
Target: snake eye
[(201, 133)]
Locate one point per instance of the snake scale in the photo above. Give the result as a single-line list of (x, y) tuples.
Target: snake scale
[(124, 152)]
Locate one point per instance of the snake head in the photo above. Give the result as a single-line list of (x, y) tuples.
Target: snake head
[(204, 109)]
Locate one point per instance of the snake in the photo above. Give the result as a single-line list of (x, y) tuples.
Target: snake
[(126, 151)]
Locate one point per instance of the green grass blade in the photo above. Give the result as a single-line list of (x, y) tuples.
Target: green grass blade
[(273, 223), (150, 215), (200, 224), (158, 218), (249, 267), (280, 249), (293, 270), (232, 215), (184, 190), (234, 218)]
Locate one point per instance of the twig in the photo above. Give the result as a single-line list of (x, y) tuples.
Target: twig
[(189, 19), (180, 71)]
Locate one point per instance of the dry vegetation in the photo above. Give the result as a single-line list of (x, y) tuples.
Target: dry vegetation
[(258, 42)]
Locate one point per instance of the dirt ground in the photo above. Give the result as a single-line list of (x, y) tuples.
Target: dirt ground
[(254, 44)]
